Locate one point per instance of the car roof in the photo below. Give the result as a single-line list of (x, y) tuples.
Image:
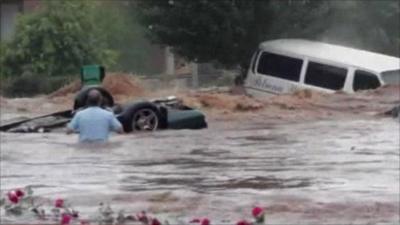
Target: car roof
[(360, 58)]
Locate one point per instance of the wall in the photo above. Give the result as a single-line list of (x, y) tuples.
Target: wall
[(9, 9)]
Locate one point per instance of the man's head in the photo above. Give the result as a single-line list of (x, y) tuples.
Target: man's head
[(94, 98)]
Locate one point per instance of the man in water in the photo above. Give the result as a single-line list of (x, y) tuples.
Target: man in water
[(94, 123)]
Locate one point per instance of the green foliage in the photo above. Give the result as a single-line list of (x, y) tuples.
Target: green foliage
[(372, 25), (119, 28), (204, 30), (56, 40), (228, 31), (29, 85), (2, 51), (59, 38)]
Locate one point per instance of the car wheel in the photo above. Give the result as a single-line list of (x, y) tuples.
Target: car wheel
[(142, 116), (145, 119)]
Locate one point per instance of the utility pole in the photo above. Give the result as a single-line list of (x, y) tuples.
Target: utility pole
[(169, 61), (195, 75)]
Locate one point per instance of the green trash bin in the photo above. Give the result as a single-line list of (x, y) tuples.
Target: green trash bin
[(92, 75)]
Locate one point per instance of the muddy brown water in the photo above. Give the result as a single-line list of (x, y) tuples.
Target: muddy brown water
[(322, 172)]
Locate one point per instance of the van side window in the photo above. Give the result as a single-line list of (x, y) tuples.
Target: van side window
[(279, 66), (325, 76), (364, 80)]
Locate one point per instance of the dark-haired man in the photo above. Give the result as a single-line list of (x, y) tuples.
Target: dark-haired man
[(94, 123)]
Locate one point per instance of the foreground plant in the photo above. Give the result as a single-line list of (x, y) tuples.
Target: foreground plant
[(204, 221), (21, 201), (17, 201), (258, 215)]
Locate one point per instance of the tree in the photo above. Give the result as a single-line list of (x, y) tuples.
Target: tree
[(371, 25), (228, 31), (120, 30), (56, 40), (225, 31)]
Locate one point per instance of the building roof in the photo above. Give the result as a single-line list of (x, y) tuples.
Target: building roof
[(335, 53)]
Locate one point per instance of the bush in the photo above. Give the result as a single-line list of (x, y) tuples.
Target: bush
[(2, 56), (29, 85), (56, 40)]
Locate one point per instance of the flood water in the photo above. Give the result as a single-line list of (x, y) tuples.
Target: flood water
[(325, 172)]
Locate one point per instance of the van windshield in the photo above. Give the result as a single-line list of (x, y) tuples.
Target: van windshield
[(391, 77)]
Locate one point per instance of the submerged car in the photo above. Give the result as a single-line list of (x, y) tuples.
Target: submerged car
[(167, 113), (144, 115)]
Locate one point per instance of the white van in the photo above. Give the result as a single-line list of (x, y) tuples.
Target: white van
[(287, 65)]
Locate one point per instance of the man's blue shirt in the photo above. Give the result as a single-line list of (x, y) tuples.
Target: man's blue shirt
[(94, 124)]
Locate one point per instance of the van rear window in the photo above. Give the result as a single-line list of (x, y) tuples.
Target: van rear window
[(279, 66), (391, 77), (325, 76)]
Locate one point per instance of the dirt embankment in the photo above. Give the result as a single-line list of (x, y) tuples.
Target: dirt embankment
[(119, 85), (305, 104)]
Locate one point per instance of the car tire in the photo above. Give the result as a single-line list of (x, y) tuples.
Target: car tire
[(81, 98), (142, 116)]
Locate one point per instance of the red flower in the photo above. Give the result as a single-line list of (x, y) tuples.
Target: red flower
[(12, 196), (155, 222), (257, 212), (59, 203), (142, 217), (19, 193), (65, 219), (205, 221), (243, 222)]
